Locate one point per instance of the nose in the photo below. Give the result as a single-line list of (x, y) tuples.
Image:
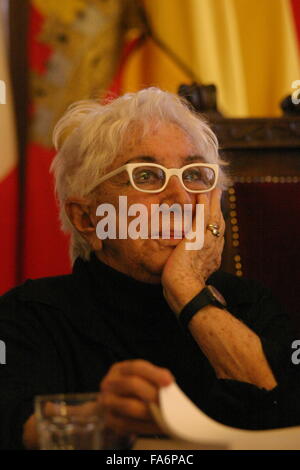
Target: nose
[(176, 193)]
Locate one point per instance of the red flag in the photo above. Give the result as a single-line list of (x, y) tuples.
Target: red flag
[(296, 14), (72, 56), (45, 246), (8, 175)]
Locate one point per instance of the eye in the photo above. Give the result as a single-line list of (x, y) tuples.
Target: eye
[(193, 174), (198, 177), (145, 175), (148, 175)]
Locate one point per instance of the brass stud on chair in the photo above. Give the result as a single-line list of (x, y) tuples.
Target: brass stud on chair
[(232, 205), (262, 179), (234, 227)]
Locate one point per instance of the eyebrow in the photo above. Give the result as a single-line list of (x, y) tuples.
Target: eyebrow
[(193, 158), (149, 159), (143, 158)]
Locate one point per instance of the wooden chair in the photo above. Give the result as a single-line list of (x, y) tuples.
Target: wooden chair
[(262, 206)]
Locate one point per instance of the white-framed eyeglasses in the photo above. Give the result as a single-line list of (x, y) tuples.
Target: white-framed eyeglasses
[(153, 178)]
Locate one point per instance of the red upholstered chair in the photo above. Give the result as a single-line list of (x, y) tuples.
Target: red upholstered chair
[(262, 207), (263, 236)]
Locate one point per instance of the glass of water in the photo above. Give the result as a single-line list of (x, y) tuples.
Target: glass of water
[(70, 422)]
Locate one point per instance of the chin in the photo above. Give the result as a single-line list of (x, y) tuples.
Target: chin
[(156, 263)]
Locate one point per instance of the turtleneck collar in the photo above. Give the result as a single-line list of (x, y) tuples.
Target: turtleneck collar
[(105, 275), (127, 297), (137, 300)]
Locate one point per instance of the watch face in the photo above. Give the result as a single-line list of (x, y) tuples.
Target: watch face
[(217, 295)]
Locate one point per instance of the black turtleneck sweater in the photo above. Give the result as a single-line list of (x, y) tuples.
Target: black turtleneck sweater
[(63, 333)]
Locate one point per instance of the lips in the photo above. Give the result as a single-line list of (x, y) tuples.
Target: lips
[(171, 235), (176, 234)]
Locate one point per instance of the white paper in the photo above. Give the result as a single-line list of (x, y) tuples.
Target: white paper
[(181, 419)]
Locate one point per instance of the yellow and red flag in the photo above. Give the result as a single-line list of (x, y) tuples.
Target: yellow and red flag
[(74, 53), (247, 48)]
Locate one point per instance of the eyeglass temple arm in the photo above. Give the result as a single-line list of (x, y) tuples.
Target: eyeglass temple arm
[(112, 173)]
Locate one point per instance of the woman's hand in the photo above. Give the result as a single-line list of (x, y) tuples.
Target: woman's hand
[(186, 271), (126, 392)]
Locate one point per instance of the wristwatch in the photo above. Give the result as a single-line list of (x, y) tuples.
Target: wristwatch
[(207, 296)]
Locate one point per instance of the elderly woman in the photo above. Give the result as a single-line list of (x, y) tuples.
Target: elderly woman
[(139, 312)]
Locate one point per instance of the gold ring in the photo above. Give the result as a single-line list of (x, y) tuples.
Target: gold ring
[(214, 229)]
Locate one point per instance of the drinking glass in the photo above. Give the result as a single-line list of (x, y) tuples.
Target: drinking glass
[(70, 422), (76, 422)]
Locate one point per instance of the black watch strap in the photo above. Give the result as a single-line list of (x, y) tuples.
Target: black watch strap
[(201, 300)]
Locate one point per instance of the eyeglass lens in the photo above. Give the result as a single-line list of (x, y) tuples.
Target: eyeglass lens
[(195, 178)]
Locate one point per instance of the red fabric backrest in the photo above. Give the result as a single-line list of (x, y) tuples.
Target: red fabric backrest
[(268, 223)]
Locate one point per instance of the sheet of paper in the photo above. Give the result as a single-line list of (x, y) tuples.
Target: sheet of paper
[(181, 418)]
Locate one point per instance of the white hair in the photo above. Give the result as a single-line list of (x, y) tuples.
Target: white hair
[(90, 135)]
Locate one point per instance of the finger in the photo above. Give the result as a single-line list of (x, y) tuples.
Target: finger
[(222, 225), (216, 216), (215, 206), (132, 386), (125, 426), (127, 407), (203, 199), (211, 217), (158, 376), (113, 373)]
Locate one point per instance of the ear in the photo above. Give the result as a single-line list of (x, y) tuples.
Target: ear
[(81, 216)]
